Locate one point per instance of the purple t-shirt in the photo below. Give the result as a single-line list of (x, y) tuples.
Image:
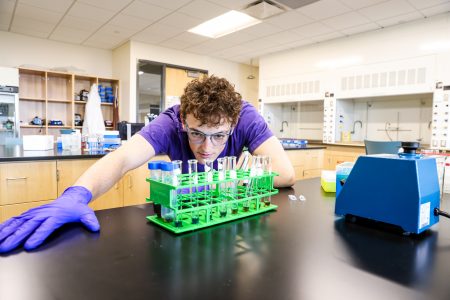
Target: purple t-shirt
[(166, 135)]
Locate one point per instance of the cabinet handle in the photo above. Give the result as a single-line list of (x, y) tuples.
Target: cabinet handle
[(116, 186), (130, 182), (16, 178)]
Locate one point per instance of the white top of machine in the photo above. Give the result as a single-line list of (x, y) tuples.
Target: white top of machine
[(9, 76)]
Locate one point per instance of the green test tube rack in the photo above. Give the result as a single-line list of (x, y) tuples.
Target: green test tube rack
[(210, 198)]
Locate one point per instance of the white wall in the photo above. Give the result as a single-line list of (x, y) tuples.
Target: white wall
[(17, 50), (234, 72), (388, 46)]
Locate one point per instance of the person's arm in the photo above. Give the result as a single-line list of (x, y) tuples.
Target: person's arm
[(36, 224), (101, 176), (280, 162)]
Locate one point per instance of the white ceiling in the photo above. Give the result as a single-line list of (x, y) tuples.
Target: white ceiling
[(108, 24)]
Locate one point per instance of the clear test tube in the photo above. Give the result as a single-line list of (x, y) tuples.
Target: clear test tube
[(167, 213), (232, 185), (176, 181), (269, 179), (221, 169), (193, 179), (155, 174), (251, 182), (209, 171)]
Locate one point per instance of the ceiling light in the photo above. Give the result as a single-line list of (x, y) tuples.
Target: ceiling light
[(341, 62), (141, 72), (227, 23), (436, 46)]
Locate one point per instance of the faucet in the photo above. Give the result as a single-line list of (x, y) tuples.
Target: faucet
[(282, 125), (354, 123)]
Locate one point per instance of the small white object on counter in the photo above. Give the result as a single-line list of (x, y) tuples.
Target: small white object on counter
[(38, 142)]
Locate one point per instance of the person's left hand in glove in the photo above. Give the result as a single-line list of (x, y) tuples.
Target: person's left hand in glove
[(36, 224)]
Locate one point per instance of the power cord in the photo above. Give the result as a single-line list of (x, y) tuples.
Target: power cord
[(438, 212)]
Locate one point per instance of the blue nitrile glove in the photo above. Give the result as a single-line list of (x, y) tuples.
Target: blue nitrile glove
[(36, 224)]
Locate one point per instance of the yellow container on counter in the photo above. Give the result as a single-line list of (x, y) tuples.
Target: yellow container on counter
[(328, 181)]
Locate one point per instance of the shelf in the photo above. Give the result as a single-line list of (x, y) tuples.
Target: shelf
[(58, 126), (32, 99), (32, 126), (59, 100), (106, 104), (79, 102)]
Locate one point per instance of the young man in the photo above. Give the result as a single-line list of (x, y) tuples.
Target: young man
[(212, 121)]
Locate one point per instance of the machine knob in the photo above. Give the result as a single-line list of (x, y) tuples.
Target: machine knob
[(410, 147)]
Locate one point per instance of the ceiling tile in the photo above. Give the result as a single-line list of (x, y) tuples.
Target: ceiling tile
[(203, 10), (80, 23), (261, 29), (191, 38), (113, 5), (312, 30), (438, 9), (360, 28), (326, 37), (149, 38), (387, 9), (5, 19), (232, 51), (172, 4), (38, 14), (69, 35), (174, 44), (201, 49), (323, 9), (7, 6), (60, 6), (89, 12), (288, 20), (358, 4), (400, 19), (129, 22), (146, 11), (31, 27), (236, 38), (420, 4), (116, 31), (156, 33), (346, 20), (181, 21), (105, 41), (233, 4), (299, 43)]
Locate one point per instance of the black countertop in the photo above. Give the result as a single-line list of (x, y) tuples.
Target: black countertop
[(301, 251)]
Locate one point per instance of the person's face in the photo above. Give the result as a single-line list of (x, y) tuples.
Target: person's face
[(205, 141)]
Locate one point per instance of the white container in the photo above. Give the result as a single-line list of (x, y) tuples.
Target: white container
[(38, 142), (71, 142)]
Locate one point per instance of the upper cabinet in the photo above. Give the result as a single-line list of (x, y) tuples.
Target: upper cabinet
[(50, 101)]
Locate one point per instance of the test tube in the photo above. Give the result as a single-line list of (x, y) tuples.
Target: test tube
[(221, 169), (232, 185), (251, 182), (176, 181), (269, 179), (193, 179), (167, 213), (208, 179), (155, 174)]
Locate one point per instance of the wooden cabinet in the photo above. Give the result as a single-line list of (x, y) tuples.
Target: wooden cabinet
[(11, 210), (52, 96), (335, 155), (176, 80), (70, 170), (306, 163), (22, 182)]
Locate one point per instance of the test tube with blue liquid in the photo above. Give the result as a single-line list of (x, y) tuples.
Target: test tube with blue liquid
[(167, 213), (176, 181), (155, 174), (193, 179)]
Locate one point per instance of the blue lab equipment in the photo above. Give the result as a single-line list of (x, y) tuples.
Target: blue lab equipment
[(397, 189)]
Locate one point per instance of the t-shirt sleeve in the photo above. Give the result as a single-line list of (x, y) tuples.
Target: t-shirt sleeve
[(158, 133), (257, 132)]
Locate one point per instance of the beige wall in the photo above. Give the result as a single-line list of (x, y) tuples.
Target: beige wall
[(17, 50), (234, 72)]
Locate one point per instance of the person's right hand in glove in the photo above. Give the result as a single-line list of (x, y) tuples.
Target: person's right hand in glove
[(35, 225)]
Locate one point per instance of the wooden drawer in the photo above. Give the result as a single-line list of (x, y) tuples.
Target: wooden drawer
[(22, 182), (312, 173), (9, 211), (297, 157)]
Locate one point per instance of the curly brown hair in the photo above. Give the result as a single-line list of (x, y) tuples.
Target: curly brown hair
[(210, 100)]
